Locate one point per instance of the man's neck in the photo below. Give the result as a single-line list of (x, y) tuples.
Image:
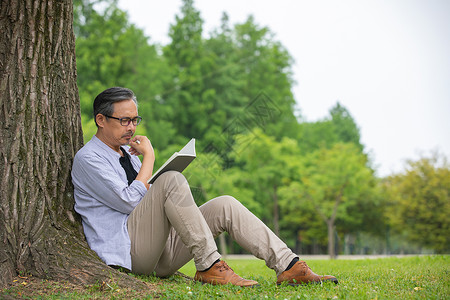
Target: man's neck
[(102, 138)]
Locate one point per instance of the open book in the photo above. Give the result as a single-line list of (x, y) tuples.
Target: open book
[(178, 161)]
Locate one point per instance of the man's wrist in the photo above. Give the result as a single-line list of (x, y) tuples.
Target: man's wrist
[(148, 155)]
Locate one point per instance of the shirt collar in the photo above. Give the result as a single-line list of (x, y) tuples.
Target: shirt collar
[(106, 148)]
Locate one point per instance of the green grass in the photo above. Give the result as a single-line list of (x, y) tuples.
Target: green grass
[(426, 277), (392, 278)]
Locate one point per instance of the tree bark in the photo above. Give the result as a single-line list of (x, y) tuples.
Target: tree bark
[(223, 246), (40, 132), (330, 228)]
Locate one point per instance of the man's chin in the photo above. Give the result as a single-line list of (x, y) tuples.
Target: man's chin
[(126, 141)]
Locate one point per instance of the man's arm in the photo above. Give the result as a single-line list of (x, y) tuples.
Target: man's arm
[(94, 177), (142, 145)]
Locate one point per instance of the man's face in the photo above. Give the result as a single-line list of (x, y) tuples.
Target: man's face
[(116, 134)]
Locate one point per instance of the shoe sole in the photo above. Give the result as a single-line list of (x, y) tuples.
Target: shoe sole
[(244, 286)]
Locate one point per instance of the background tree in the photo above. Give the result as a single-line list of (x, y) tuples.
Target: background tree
[(331, 181), (266, 67), (113, 52), (420, 202), (338, 127), (40, 134), (186, 93), (344, 126), (224, 80), (214, 87), (266, 166)]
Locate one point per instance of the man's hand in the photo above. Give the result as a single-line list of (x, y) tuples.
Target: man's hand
[(141, 145)]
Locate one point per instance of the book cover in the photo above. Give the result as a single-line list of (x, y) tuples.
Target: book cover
[(178, 161)]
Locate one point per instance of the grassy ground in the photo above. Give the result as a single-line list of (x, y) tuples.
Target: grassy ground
[(426, 277)]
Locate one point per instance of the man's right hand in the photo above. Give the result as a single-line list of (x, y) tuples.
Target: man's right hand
[(141, 145)]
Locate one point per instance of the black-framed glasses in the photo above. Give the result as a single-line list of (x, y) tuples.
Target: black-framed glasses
[(126, 121)]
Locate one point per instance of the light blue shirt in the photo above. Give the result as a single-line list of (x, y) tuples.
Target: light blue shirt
[(104, 200)]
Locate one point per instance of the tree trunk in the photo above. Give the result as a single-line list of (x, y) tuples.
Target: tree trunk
[(40, 132), (276, 212), (330, 227), (223, 246)]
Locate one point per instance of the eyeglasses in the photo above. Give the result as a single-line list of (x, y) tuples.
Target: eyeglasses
[(126, 121)]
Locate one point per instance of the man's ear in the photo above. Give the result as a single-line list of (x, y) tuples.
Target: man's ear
[(100, 119)]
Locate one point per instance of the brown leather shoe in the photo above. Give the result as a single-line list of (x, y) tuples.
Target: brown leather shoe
[(221, 273), (300, 273)]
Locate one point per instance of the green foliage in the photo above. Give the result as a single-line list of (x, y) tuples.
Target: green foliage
[(265, 165), (113, 52), (420, 202), (216, 78), (344, 126), (339, 127), (332, 182), (189, 62), (232, 91), (266, 66), (192, 88)]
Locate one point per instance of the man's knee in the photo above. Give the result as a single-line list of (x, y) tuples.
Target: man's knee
[(227, 201), (172, 177), (170, 174)]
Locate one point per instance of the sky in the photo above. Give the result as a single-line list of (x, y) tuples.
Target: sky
[(386, 61)]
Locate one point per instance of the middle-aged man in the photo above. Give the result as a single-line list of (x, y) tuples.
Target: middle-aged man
[(157, 229)]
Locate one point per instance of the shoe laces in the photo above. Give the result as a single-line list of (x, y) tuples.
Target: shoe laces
[(223, 266), (303, 263)]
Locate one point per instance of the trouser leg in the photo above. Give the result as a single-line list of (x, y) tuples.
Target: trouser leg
[(225, 213), (169, 203)]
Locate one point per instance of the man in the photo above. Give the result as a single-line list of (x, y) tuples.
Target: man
[(157, 229)]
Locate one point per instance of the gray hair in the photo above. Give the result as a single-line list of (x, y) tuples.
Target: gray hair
[(103, 103)]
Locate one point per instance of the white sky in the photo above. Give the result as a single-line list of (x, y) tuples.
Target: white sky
[(386, 61)]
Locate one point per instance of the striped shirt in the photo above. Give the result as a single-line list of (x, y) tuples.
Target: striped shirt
[(104, 200)]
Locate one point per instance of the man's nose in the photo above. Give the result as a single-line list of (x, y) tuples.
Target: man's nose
[(131, 126)]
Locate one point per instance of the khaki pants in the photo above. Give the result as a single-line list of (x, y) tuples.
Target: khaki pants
[(167, 230)]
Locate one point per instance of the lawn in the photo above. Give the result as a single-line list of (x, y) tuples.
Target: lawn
[(424, 277)]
